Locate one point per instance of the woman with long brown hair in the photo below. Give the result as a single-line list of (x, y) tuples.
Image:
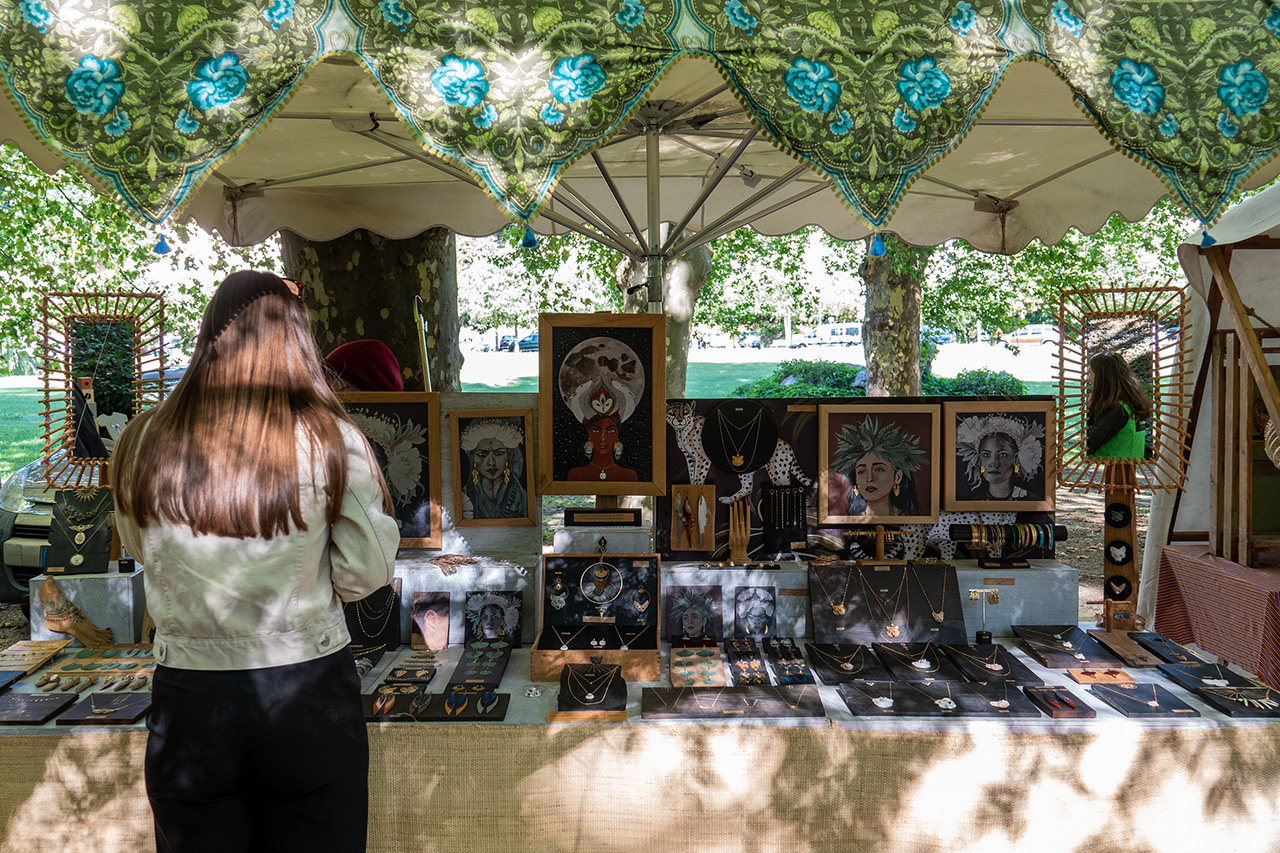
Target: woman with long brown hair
[(1118, 410), (256, 509)]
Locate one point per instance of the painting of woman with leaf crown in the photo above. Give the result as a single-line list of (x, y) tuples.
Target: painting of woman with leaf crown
[(880, 463)]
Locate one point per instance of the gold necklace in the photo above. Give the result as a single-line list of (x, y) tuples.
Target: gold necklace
[(117, 705), (920, 661), (1051, 641), (751, 429), (697, 698), (937, 614), (1250, 697), (987, 662), (604, 469), (878, 701), (602, 683), (564, 644), (891, 628), (997, 703), (778, 692), (1154, 702), (78, 541), (671, 706), (845, 663), (946, 703), (836, 608), (363, 607), (623, 643)]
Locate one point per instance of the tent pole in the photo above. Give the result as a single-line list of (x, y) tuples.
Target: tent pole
[(657, 261), (1251, 350)]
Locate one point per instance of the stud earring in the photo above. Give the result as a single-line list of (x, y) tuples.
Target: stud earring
[(982, 469)]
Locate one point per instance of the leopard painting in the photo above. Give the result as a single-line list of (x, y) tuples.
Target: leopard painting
[(781, 467)]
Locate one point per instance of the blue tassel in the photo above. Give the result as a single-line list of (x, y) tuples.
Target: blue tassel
[(1207, 241), (877, 246), (162, 246), (529, 240)]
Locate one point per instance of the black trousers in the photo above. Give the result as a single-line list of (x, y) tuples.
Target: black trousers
[(259, 760)]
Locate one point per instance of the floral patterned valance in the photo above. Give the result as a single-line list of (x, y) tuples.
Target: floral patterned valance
[(147, 95)]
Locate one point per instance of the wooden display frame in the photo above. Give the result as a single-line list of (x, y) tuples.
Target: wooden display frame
[(825, 412), (1048, 457), (456, 429), (552, 408), (431, 403), (59, 315)]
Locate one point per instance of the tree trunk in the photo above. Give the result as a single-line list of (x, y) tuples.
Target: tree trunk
[(891, 335), (682, 285), (362, 285)]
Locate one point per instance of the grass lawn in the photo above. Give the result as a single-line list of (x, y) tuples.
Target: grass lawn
[(705, 379), (20, 434)]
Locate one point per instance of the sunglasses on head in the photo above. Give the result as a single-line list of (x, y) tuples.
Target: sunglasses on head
[(294, 287)]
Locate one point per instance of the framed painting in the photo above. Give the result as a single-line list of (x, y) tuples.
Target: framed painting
[(601, 399), (401, 428), (1000, 455), (878, 464), (492, 462)]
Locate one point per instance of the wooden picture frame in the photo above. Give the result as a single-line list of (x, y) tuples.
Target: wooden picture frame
[(911, 428), (1020, 436), (602, 383), (501, 426), (393, 418), (63, 317)]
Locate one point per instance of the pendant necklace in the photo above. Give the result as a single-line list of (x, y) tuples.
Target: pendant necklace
[(937, 614), (697, 698), (590, 684), (891, 628), (878, 701), (1153, 702), (564, 642), (750, 430), (844, 662), (625, 642), (919, 661), (117, 705), (988, 662), (837, 608), (946, 703)]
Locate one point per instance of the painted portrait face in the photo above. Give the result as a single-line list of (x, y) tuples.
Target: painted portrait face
[(491, 621), (693, 623), (603, 434), (875, 477), (489, 458), (997, 454), (756, 619)]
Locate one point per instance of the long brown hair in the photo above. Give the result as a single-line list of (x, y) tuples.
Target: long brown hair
[(220, 454), (1113, 382)]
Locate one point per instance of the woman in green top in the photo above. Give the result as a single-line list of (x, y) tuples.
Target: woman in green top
[(1118, 410)]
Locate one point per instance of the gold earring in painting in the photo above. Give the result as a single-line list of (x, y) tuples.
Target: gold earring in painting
[(617, 450), (506, 473), (896, 490)]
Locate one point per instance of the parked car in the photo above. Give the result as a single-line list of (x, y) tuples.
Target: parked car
[(507, 343), (27, 504), (847, 334), (938, 336), (529, 343), (1037, 333), (750, 339)]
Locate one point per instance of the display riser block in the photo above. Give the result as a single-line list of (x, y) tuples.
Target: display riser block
[(791, 579), (1046, 593), (113, 600), (586, 540), (419, 574)]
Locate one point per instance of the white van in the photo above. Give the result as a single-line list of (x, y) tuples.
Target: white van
[(846, 334)]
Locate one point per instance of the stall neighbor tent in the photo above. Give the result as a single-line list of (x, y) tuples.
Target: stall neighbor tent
[(613, 117), (1234, 283)]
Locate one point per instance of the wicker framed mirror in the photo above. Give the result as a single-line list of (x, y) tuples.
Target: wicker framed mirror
[(101, 363)]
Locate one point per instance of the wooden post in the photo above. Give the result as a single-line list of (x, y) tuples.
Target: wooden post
[(1250, 347)]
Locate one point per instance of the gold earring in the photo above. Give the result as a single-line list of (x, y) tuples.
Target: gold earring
[(982, 469), (1016, 469), (506, 473), (855, 490), (895, 490), (475, 476)]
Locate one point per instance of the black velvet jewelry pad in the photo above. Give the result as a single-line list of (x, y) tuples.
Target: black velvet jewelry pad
[(132, 707), (1164, 648), (718, 703), (975, 698), (898, 659), (1133, 703), (1257, 701), (8, 677), (470, 671), (1011, 669), (826, 660), (1192, 675), (1045, 697), (1049, 651), (32, 709)]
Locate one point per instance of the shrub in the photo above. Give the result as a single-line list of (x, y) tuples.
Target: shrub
[(800, 378), (986, 383)]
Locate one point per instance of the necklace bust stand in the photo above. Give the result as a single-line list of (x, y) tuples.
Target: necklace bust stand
[(592, 692)]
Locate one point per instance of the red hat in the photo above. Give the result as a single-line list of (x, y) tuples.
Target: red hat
[(369, 365)]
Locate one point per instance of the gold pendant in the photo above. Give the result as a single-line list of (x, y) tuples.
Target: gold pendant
[(79, 538), (603, 475), (837, 609), (737, 460), (77, 559), (937, 615), (892, 630)]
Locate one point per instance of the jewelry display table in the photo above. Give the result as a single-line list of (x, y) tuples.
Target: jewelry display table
[(112, 600), (1224, 607)]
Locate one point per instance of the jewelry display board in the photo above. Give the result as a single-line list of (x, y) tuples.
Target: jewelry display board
[(492, 616), (32, 709), (7, 678), (1164, 648), (1123, 646), (1059, 703), (1142, 700), (107, 709), (990, 663), (1256, 701), (917, 662), (413, 704), (482, 665), (592, 687), (746, 662), (1064, 647), (786, 663), (994, 699), (403, 430), (374, 622), (750, 703), (855, 604), (30, 655), (696, 667), (80, 532), (1193, 676), (835, 663), (599, 605)]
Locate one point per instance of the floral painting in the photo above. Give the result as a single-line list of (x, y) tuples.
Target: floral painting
[(401, 429)]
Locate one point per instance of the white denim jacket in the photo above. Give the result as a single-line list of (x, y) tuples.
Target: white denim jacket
[(220, 603)]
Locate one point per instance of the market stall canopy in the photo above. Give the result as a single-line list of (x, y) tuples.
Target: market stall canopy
[(396, 115)]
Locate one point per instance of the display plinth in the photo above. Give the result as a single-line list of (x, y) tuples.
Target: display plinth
[(1045, 593), (112, 600), (637, 664), (586, 540)]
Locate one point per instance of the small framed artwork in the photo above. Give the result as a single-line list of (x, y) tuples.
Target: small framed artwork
[(602, 404), (492, 616), (401, 428), (694, 612), (755, 610), (492, 462), (429, 627), (1000, 455), (878, 464)]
